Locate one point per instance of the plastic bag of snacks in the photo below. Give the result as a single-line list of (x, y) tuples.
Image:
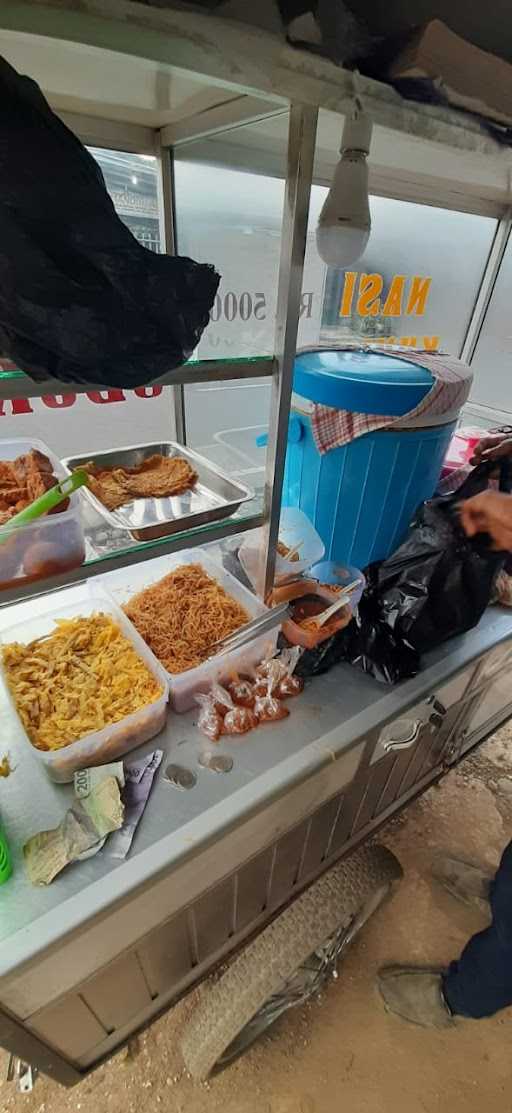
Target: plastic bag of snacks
[(246, 701), (268, 707), (241, 690), (209, 720), (277, 667), (220, 715)]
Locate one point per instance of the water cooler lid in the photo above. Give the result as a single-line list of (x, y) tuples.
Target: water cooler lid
[(361, 382)]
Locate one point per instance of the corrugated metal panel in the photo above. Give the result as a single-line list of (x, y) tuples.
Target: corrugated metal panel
[(118, 993), (165, 955), (69, 1026)]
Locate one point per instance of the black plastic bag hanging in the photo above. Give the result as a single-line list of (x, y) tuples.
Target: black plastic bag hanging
[(439, 582), (80, 299)]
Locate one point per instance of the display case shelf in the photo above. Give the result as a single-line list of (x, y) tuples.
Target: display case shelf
[(15, 384)]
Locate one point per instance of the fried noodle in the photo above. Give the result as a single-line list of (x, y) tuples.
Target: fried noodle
[(182, 615)]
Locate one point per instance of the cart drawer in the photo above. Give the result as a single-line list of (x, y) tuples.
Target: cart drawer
[(410, 748)]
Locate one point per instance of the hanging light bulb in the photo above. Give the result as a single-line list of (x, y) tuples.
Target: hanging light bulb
[(344, 223)]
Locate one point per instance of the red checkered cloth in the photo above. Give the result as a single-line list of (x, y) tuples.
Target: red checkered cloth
[(452, 383)]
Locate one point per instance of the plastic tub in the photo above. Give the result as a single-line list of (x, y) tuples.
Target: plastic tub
[(111, 742), (183, 686), (340, 575), (248, 442), (361, 496), (461, 448), (294, 528), (53, 543), (315, 602)]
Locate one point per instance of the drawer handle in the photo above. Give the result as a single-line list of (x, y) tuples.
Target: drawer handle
[(403, 743)]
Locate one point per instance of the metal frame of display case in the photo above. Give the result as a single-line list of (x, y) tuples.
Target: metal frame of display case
[(300, 156), (289, 821)]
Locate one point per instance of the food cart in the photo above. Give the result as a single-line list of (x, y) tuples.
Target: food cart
[(273, 850)]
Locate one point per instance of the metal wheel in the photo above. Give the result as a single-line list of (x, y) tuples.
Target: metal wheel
[(289, 962)]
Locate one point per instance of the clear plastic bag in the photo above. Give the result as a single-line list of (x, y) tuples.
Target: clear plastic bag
[(240, 720), (209, 720), (271, 671), (268, 708), (220, 715), (241, 691), (290, 685)]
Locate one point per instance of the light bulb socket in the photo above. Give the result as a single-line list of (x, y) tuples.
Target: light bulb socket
[(357, 133)]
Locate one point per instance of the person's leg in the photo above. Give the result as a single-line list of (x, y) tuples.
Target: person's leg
[(480, 983)]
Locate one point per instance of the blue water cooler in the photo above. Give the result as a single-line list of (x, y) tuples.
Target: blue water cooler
[(361, 497)]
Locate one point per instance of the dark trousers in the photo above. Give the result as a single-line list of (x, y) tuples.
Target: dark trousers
[(480, 983)]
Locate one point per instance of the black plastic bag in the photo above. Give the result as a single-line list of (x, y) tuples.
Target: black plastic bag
[(439, 582), (372, 645), (80, 299), (314, 662), (367, 642)]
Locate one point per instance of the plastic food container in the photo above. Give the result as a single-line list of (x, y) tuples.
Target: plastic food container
[(461, 448), (315, 602), (111, 742), (53, 543), (294, 529), (183, 686), (331, 572)]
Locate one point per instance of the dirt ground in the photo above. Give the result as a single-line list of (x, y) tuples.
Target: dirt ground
[(344, 1051)]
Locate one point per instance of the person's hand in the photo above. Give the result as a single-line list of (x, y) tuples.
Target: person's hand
[(490, 512), (492, 448)]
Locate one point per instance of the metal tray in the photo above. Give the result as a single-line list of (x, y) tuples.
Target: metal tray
[(214, 496)]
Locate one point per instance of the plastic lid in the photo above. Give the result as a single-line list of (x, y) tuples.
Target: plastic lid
[(362, 382)]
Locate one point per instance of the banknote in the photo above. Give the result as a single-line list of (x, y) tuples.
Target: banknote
[(139, 778), (82, 830), (86, 779)]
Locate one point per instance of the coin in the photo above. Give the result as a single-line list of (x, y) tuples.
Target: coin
[(180, 777), (216, 763)]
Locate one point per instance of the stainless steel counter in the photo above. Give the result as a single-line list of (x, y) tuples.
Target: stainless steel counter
[(334, 712)]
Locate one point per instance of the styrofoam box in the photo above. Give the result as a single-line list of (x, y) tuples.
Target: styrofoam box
[(55, 538), (183, 686), (111, 742)]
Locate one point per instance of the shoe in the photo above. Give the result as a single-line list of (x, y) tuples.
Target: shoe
[(415, 994), (465, 881)]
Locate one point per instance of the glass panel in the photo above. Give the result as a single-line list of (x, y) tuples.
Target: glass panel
[(233, 220), (491, 362), (228, 423), (401, 291), (131, 181), (101, 540), (415, 284)]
